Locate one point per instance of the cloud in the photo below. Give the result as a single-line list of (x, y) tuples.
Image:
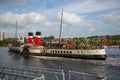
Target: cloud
[(112, 18), (76, 20), (25, 19), (70, 18), (90, 28), (80, 16), (13, 1), (26, 22), (92, 6)]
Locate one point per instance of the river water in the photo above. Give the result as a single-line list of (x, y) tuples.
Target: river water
[(109, 68)]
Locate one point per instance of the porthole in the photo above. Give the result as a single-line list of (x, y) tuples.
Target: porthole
[(67, 52), (55, 51)]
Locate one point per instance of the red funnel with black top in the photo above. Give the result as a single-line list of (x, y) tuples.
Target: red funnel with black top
[(38, 39), (30, 37)]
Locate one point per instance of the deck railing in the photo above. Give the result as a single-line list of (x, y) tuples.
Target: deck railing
[(35, 73), (74, 75), (30, 73), (19, 73)]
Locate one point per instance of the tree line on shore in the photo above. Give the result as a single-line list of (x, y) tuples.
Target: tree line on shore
[(93, 40)]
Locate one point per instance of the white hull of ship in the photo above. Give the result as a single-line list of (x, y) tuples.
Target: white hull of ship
[(84, 54), (99, 54)]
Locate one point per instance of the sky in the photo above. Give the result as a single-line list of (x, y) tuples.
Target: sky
[(81, 18)]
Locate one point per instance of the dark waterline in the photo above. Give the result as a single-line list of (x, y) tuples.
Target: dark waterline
[(109, 68)]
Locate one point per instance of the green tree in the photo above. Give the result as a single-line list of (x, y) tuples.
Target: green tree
[(5, 42)]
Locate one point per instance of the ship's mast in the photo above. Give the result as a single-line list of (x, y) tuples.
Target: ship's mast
[(61, 26), (16, 30)]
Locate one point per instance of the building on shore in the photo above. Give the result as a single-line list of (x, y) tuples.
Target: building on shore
[(2, 35)]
